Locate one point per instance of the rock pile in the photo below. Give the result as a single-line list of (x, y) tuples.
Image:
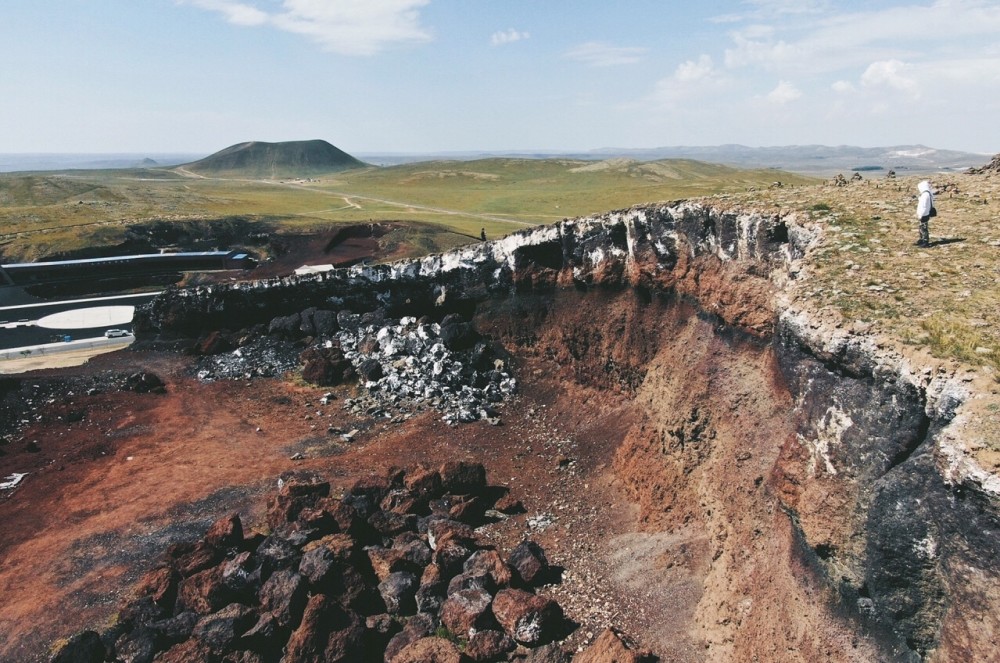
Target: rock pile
[(990, 168), (392, 571), (264, 357), (405, 365)]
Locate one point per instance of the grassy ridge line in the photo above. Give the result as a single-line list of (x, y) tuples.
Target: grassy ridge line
[(945, 299)]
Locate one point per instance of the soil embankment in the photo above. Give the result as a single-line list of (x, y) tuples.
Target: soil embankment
[(723, 475)]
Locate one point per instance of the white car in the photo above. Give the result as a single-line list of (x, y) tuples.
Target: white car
[(115, 333)]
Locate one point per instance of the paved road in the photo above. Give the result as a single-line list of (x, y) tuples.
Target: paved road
[(19, 324)]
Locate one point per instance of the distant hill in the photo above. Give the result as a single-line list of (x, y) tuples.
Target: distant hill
[(13, 163), (296, 158), (816, 160), (819, 159)]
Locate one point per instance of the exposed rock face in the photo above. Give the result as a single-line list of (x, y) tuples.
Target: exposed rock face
[(856, 464), (642, 247)]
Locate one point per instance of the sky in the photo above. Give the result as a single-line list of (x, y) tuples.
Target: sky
[(422, 76)]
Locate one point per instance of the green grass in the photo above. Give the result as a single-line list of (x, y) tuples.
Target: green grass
[(48, 212)]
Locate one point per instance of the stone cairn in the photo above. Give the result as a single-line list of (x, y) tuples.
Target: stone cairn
[(391, 572)]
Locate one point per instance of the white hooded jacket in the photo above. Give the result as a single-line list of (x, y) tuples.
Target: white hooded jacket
[(924, 203)]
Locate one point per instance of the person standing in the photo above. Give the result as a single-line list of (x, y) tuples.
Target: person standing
[(925, 209)]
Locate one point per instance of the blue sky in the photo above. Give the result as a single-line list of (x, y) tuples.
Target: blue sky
[(452, 75)]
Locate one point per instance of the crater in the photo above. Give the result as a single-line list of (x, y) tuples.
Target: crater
[(721, 475)]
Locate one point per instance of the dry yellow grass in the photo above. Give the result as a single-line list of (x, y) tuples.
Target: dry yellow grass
[(945, 298)]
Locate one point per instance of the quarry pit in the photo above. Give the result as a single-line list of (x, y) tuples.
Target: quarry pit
[(723, 473)]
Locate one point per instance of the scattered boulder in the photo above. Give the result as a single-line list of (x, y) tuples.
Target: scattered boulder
[(329, 633), (189, 651), (284, 597), (295, 494), (160, 585), (466, 611), (145, 382), (420, 626), (227, 532), (550, 653), (529, 564), (204, 592), (461, 478), (220, 630), (489, 563), (138, 645), (213, 343), (399, 592), (325, 366), (528, 618)]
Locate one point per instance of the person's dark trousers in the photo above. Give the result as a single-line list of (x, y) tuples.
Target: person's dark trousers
[(925, 236)]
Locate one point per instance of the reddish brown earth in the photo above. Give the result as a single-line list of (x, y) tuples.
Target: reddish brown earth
[(677, 544)]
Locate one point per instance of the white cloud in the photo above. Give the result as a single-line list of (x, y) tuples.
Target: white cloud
[(757, 48), (767, 9), (824, 39), (691, 79), (780, 7), (235, 12), (348, 27), (842, 87), (892, 74), (695, 70), (601, 54), (784, 93), (508, 37)]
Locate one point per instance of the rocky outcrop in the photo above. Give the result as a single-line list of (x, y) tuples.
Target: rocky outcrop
[(989, 169), (646, 248), (859, 462)]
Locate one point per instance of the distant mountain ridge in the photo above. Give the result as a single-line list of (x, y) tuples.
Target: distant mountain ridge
[(286, 159), (818, 158), (806, 159)]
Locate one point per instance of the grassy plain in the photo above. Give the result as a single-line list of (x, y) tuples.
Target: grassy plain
[(48, 212), (945, 299)]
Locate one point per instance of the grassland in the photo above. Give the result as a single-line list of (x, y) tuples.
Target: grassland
[(48, 212), (945, 299)]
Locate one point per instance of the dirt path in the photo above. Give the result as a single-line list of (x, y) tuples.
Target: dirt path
[(346, 197)]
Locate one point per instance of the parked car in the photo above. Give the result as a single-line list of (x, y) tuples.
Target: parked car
[(115, 333)]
